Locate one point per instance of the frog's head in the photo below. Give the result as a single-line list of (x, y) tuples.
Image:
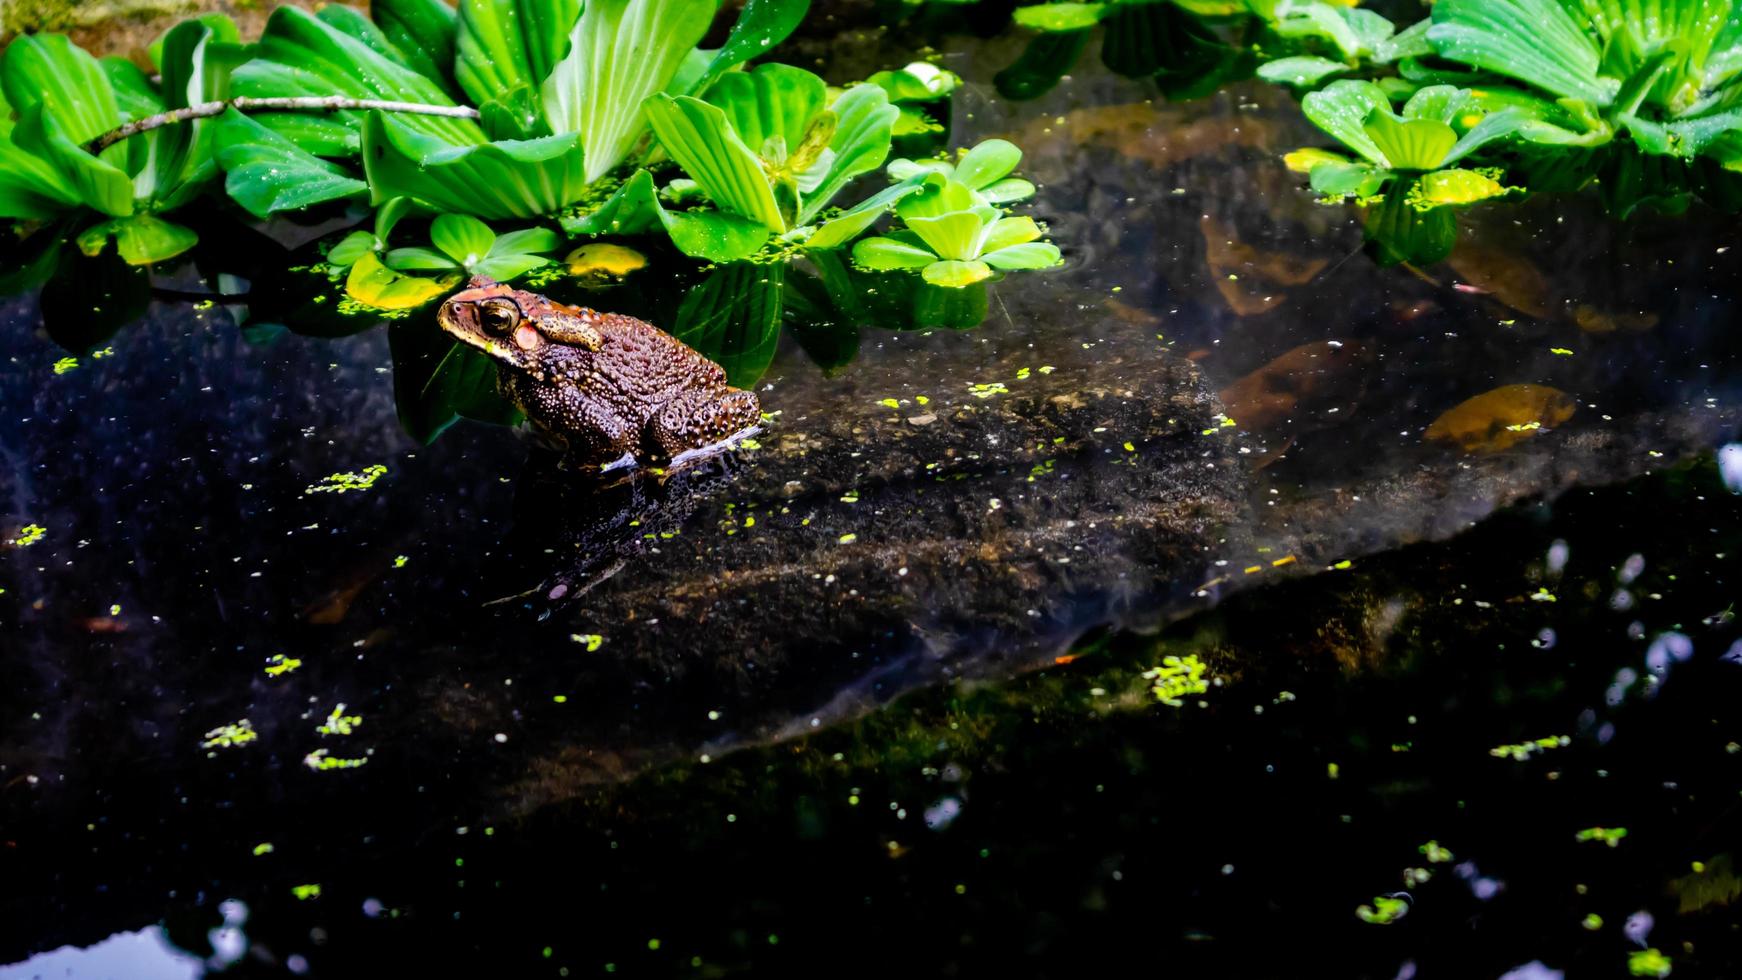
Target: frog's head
[(515, 327)]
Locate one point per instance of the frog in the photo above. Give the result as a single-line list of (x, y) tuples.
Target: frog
[(604, 390)]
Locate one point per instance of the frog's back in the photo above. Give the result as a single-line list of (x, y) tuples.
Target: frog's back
[(648, 365)]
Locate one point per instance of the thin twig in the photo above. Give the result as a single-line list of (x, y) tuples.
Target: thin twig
[(308, 103)]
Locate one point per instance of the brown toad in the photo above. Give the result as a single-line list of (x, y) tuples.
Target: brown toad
[(598, 386)]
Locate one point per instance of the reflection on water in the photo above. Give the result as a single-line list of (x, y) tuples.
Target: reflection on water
[(1222, 388)]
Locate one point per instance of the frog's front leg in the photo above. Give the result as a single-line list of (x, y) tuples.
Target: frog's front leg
[(591, 433), (697, 419)]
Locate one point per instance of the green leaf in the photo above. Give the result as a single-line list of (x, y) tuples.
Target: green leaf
[(770, 102), (988, 162), (1029, 255), (620, 53), (502, 268), (462, 238), (954, 274), (699, 138), (635, 209), (1410, 144), (1494, 126), (920, 81), (938, 195), (1342, 109), (1535, 41), (1320, 20), (197, 63), (864, 126), (1008, 191), (300, 55), (141, 239), (374, 284), (733, 318), (351, 248), (886, 254), (1453, 187), (1300, 71), (505, 179), (49, 70), (1411, 42), (424, 32), (847, 225), (267, 173), (526, 241), (501, 45), (416, 258), (762, 25), (956, 235), (95, 182), (1057, 18), (1006, 232), (1357, 180)]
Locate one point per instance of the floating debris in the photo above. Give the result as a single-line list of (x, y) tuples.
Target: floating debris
[(1608, 835), (1176, 678), (1524, 750), (28, 535), (305, 892), (339, 723), (66, 364), (1385, 909), (592, 641), (230, 736), (346, 482), (320, 761), (278, 665)]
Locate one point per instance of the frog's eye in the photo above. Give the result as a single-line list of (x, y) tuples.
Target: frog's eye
[(498, 316)]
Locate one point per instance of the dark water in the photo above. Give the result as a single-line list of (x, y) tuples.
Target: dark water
[(872, 695)]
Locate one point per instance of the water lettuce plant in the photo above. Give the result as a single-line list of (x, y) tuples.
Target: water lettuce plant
[(769, 146), (1641, 97), (955, 237), (63, 98), (1422, 145), (985, 168)]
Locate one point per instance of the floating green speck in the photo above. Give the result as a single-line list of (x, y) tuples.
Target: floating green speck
[(399, 561), (339, 723), (1524, 750), (1648, 963), (305, 892), (320, 761), (262, 849), (848, 538), (346, 482), (1176, 678), (592, 641), (278, 665), (65, 364), (1384, 911), (230, 736), (889, 403), (29, 534), (1608, 835)]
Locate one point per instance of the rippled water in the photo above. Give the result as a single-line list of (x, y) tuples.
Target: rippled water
[(677, 747)]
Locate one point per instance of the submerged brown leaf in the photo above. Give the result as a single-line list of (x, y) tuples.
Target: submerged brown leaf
[(1311, 377), (1498, 419), (1251, 279)]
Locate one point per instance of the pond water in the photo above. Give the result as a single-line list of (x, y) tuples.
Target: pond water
[(1451, 549)]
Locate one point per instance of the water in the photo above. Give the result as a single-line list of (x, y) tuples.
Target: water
[(872, 692)]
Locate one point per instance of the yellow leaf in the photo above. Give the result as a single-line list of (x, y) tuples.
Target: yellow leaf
[(1495, 420), (604, 263), (373, 284)]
